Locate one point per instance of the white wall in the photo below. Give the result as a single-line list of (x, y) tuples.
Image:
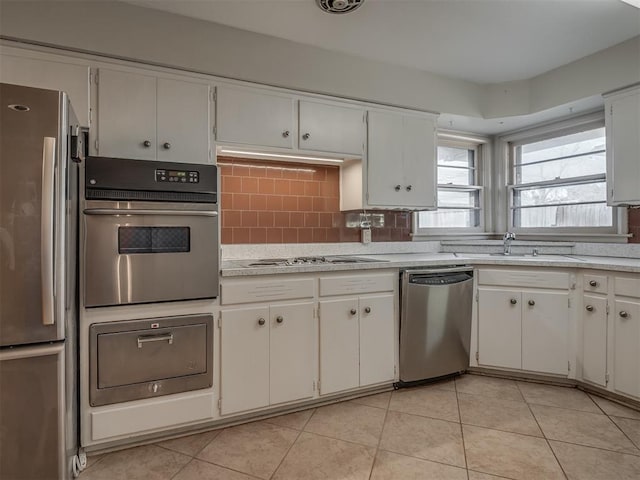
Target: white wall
[(131, 32)]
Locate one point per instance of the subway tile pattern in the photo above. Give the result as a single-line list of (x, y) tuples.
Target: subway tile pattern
[(475, 427), (277, 202)]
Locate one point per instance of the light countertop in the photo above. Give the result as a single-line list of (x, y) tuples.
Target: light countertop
[(235, 268)]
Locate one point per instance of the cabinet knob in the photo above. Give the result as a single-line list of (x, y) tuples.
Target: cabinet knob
[(398, 187), (285, 134), (306, 136), (531, 303), (353, 311), (146, 143), (593, 283), (367, 309), (261, 321), (589, 308), (409, 187), (166, 145), (279, 319), (624, 314), (513, 301)]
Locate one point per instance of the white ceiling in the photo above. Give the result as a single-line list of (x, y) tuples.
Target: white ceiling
[(484, 41)]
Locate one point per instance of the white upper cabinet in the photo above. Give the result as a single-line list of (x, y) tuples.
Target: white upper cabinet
[(622, 121), (331, 128), (126, 115), (52, 75), (254, 117), (149, 118), (401, 160), (183, 121)]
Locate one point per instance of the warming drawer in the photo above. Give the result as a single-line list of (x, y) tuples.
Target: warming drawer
[(138, 359)]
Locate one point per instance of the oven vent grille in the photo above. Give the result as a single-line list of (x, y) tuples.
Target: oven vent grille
[(110, 194)]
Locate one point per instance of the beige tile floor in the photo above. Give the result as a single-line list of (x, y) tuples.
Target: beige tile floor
[(473, 428)]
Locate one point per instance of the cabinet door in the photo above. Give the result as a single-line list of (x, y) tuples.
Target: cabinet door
[(623, 148), (377, 339), (545, 332), (292, 352), (70, 78), (330, 128), (499, 328), (339, 355), (254, 117), (244, 359), (183, 121), (626, 347), (419, 162), (384, 159), (126, 115), (594, 339)]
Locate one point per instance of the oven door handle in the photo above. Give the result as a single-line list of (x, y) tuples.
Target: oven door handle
[(179, 213), (168, 337)]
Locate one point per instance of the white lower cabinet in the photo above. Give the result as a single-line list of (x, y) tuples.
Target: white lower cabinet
[(266, 355), (626, 336), (523, 328), (594, 339), (356, 342)]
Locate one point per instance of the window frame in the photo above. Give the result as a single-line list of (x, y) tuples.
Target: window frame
[(480, 147), (556, 129)]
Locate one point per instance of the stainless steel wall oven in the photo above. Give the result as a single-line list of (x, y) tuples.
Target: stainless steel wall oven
[(150, 232)]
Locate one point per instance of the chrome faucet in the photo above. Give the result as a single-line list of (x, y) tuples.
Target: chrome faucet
[(508, 238)]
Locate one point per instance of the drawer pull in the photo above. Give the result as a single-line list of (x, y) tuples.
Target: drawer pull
[(261, 321), (531, 303), (589, 308), (279, 319), (367, 309), (624, 314), (513, 301), (167, 337), (593, 283), (353, 311)]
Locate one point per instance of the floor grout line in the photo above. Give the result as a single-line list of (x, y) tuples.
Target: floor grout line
[(544, 435), (464, 446), (384, 421), (625, 433)]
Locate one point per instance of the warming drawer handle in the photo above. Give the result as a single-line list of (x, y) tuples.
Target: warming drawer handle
[(155, 338), (178, 213)]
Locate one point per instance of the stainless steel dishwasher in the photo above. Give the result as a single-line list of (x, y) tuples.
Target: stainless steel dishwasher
[(435, 323)]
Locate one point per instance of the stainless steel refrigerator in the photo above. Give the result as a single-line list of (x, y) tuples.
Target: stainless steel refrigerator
[(39, 147)]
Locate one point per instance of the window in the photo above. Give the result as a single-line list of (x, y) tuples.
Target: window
[(459, 191), (558, 181)]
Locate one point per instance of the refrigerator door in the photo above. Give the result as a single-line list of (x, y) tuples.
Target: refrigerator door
[(31, 122), (31, 418)]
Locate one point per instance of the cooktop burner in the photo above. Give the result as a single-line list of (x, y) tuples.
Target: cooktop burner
[(278, 262)]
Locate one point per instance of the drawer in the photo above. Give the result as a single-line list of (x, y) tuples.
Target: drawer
[(627, 286), (354, 284), (235, 292), (539, 278), (151, 416), (595, 283)]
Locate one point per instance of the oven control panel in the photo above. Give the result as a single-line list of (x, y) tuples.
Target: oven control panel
[(182, 176)]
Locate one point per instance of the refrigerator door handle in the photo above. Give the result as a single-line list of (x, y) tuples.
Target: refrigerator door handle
[(46, 230)]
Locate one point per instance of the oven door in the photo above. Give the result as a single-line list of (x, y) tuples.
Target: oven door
[(145, 253)]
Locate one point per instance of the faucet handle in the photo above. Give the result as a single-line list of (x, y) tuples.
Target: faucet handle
[(509, 236)]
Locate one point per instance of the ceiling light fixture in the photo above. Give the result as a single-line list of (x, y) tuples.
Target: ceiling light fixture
[(339, 6), (277, 156), (634, 3)]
